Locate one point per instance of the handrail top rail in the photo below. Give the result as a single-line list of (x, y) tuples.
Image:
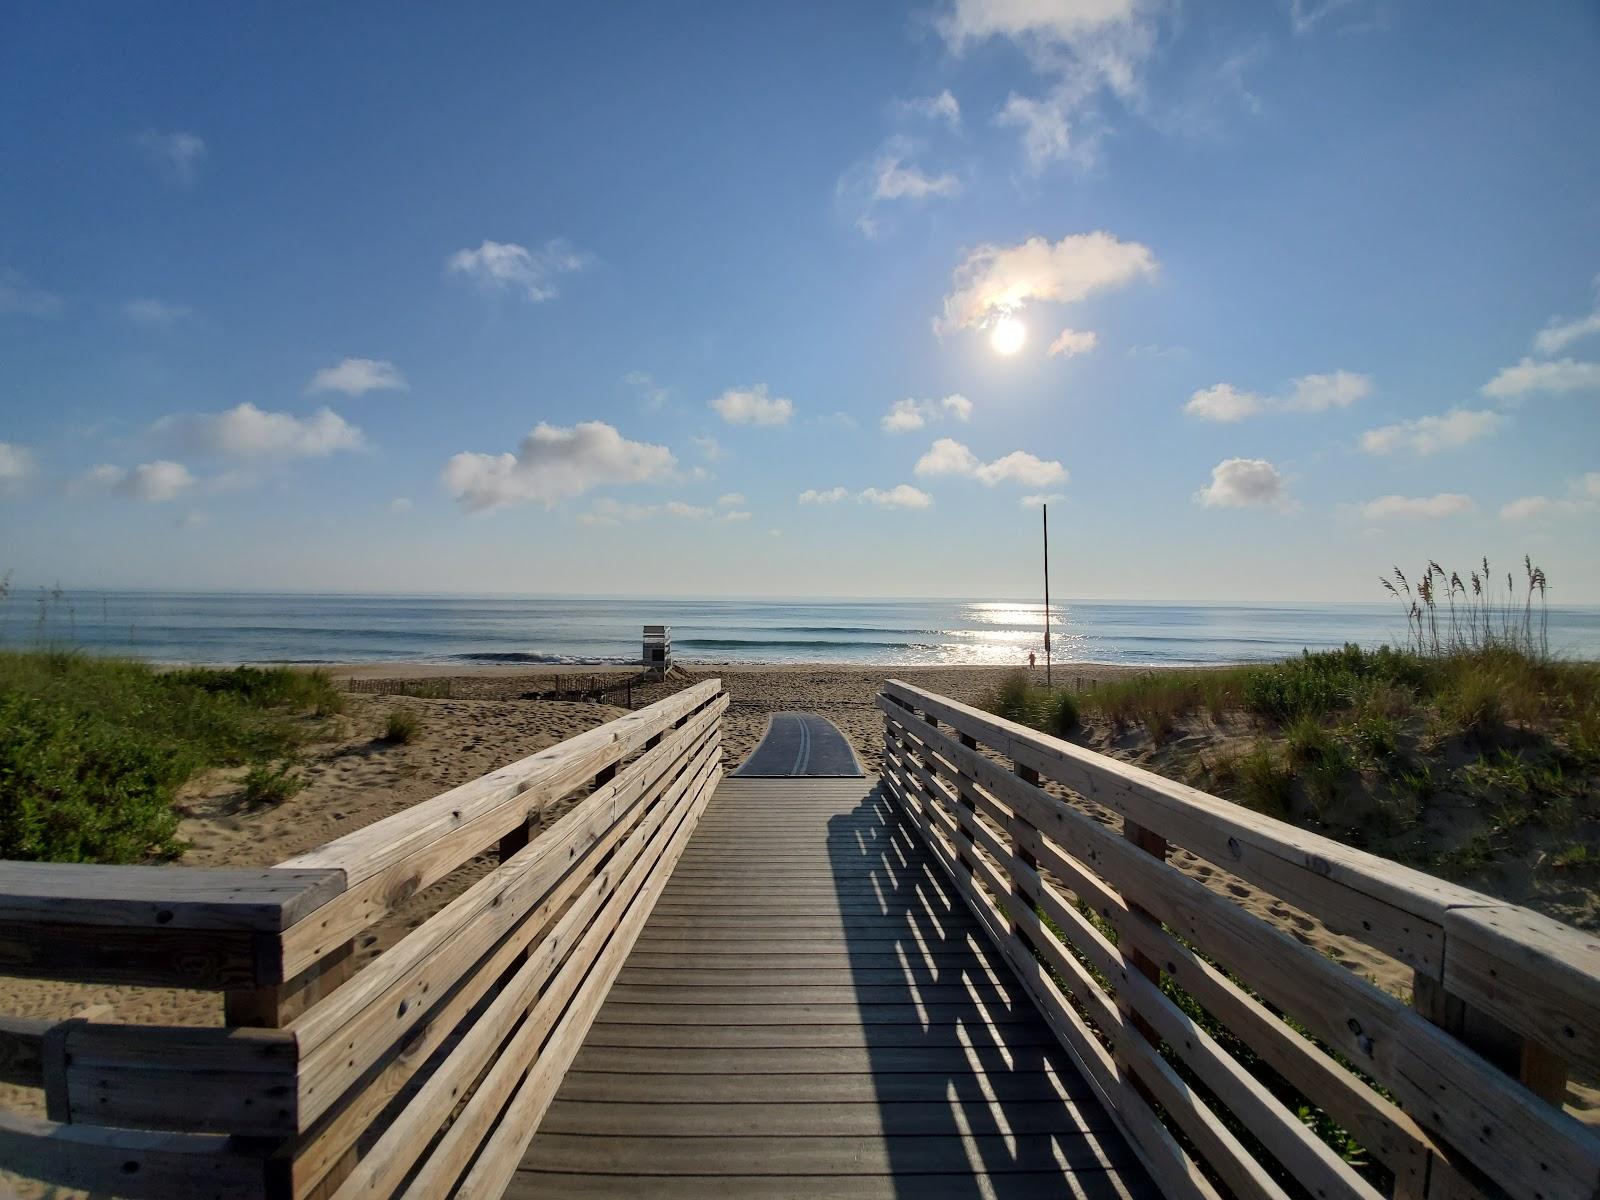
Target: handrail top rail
[(263, 899)]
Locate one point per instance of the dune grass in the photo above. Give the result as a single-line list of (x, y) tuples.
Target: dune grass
[(93, 750)]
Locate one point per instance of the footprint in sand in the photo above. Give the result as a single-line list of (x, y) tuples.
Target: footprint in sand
[(1235, 889)]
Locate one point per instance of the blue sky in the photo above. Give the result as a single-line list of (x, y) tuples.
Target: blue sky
[(705, 299)]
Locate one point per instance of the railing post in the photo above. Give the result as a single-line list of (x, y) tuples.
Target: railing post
[(1154, 844), (1028, 775), (1541, 1070)]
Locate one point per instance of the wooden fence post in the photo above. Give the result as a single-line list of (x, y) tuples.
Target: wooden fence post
[(1154, 844), (1028, 775)]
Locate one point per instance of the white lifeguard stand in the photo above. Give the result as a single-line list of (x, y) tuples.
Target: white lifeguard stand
[(657, 656)]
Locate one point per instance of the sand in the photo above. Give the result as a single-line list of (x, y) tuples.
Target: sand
[(357, 778)]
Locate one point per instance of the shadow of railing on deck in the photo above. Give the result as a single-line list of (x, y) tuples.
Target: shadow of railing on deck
[(969, 1082)]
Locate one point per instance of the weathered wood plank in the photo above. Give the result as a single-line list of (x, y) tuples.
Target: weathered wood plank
[(498, 1159), (873, 1116), (540, 777), (617, 1033), (1534, 975), (954, 1080), (526, 1013), (1063, 1153), (223, 898), (210, 960), (451, 836), (964, 1185), (130, 1163)]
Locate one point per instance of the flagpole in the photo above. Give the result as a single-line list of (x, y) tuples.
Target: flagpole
[(1044, 510)]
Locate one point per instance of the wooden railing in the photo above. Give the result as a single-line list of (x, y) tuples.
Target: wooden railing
[(1144, 973), (422, 1074)]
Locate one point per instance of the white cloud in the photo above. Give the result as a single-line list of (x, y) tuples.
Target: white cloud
[(752, 406), (1046, 133), (1445, 504), (18, 298), (149, 311), (1430, 435), (1082, 47), (949, 457), (159, 481), (900, 496), (1583, 497), (1318, 393), (247, 432), (1040, 499), (1041, 22), (651, 394), (943, 107), (906, 415), (710, 449), (152, 482), (1558, 334), (612, 512), (1224, 402), (994, 280), (176, 153), (16, 468), (897, 180), (823, 496), (1563, 375), (506, 266), (554, 464), (730, 500), (357, 376), (1245, 483), (1307, 393), (1531, 508), (400, 504), (1070, 343), (890, 175), (1022, 468)]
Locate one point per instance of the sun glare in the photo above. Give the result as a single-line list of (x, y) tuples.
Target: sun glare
[(1008, 335)]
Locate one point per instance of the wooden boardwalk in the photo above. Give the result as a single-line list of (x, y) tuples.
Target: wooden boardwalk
[(811, 1011)]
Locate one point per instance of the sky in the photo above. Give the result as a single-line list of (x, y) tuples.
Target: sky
[(1261, 298)]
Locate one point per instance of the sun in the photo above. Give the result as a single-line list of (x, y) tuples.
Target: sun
[(1008, 335)]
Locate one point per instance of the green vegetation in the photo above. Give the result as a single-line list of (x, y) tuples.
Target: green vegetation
[(272, 783), (92, 750), (1017, 699), (402, 726)]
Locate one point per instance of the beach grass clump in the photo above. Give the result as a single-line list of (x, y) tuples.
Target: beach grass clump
[(272, 783), (1019, 699), (402, 726), (94, 750)]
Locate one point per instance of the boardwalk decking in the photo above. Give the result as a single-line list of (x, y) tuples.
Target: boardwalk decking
[(809, 1011)]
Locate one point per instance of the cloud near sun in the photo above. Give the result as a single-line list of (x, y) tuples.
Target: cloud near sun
[(995, 281)]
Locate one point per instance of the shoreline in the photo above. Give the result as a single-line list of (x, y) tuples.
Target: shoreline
[(433, 670)]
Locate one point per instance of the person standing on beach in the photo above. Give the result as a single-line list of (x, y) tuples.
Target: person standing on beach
[(1031, 660)]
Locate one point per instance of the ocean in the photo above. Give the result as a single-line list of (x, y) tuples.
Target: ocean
[(229, 628)]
